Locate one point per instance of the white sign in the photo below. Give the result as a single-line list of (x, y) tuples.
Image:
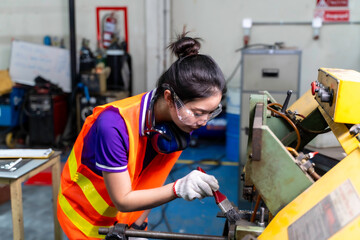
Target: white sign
[(29, 60)]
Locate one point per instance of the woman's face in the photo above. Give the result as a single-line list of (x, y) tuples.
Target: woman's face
[(195, 114)]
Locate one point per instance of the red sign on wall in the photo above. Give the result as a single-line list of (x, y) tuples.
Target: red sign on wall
[(336, 16), (332, 10), (333, 3)]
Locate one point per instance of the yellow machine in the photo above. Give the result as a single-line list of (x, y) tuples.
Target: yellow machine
[(292, 200), (304, 204)]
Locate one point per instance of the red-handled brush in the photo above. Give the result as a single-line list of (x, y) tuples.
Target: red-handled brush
[(224, 204)]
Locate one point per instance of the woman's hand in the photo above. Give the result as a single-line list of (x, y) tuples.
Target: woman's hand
[(195, 185)]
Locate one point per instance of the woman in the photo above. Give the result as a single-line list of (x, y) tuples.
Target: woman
[(126, 149)]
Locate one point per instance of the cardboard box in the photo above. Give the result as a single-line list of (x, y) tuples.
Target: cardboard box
[(96, 82), (5, 82)]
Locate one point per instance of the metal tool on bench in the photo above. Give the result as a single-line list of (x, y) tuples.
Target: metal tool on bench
[(11, 166)]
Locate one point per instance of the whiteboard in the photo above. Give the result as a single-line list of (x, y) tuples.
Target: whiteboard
[(29, 60)]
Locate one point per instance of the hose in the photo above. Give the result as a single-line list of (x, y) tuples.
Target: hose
[(292, 151), (288, 120), (258, 199)]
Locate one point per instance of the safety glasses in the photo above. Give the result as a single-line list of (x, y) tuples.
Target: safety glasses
[(188, 117)]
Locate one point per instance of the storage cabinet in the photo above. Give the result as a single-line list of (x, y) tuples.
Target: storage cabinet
[(272, 70)]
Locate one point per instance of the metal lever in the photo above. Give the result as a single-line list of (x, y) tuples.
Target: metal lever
[(286, 103), (261, 222)]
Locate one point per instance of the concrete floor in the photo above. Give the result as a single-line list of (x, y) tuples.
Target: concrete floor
[(38, 214), (197, 217)]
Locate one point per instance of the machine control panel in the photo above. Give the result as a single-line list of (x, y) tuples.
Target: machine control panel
[(337, 92), (325, 94)]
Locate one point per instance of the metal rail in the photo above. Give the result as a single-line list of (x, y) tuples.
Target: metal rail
[(160, 235), (167, 235), (303, 23)]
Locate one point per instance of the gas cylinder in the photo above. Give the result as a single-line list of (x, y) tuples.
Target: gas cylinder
[(109, 29)]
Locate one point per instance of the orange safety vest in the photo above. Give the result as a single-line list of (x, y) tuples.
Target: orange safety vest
[(84, 204)]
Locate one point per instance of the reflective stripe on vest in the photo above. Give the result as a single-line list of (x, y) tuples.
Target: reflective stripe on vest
[(72, 165), (87, 228), (84, 202), (95, 199)]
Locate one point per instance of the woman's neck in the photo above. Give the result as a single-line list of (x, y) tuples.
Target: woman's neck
[(161, 111)]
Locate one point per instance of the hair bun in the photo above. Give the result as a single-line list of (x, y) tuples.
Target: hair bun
[(185, 46)]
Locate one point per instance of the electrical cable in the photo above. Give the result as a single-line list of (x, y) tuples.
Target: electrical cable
[(162, 218), (300, 115), (328, 129), (237, 66)]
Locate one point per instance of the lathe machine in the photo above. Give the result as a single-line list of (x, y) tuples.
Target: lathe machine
[(293, 199)]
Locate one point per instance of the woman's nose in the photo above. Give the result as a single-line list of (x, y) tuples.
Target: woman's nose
[(202, 120)]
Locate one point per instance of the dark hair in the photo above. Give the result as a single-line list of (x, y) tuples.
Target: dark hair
[(192, 75)]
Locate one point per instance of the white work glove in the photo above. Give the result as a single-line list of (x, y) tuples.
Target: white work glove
[(195, 185)]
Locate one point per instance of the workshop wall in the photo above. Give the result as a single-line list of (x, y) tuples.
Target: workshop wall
[(30, 21), (86, 28), (219, 23)]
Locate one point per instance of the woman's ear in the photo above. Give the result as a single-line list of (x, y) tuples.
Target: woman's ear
[(168, 98)]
